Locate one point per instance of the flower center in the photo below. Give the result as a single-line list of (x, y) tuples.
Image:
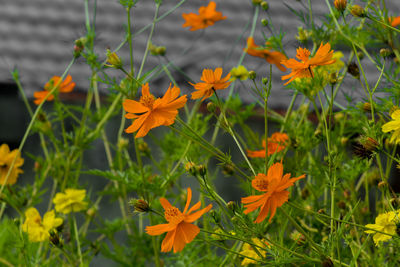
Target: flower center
[(173, 215), (261, 184), (147, 100)]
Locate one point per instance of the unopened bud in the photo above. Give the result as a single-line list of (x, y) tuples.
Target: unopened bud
[(265, 81), (231, 205), (252, 75), (327, 263), (340, 5), (357, 11), (211, 107), (360, 55), (91, 212), (228, 169), (122, 143), (353, 69), (144, 147), (215, 215), (344, 140), (264, 22), (366, 107), (264, 5), (79, 45), (346, 194), (202, 170), (191, 168), (256, 2), (55, 239), (382, 184), (333, 79), (161, 50), (139, 205), (385, 52)]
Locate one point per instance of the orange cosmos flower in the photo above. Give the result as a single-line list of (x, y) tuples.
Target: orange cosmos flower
[(394, 21), (207, 16), (65, 86), (180, 230), (272, 57), (303, 69), (276, 143), (211, 81), (150, 112), (274, 184)]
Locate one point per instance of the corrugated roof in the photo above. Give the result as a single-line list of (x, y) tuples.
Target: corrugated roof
[(37, 37)]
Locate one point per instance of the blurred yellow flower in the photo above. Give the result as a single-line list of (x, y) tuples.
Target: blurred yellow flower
[(248, 251), (37, 229), (70, 201), (393, 125), (6, 159), (239, 73), (386, 223)]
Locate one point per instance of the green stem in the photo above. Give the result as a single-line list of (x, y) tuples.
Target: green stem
[(78, 244), (25, 137)]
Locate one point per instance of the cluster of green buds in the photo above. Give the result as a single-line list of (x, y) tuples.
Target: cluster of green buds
[(195, 169), (157, 50), (303, 35)]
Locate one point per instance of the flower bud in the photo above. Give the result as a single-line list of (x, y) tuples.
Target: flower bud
[(161, 50), (202, 170), (333, 79), (91, 212), (264, 22), (264, 5), (113, 60), (340, 5), (191, 168), (256, 2), (360, 55), (382, 184), (347, 194), (265, 81), (211, 107), (144, 147), (357, 11), (79, 45), (122, 143), (353, 69), (228, 169), (55, 239), (366, 107), (252, 75), (344, 140), (385, 52), (231, 205), (139, 205), (327, 262), (215, 215)]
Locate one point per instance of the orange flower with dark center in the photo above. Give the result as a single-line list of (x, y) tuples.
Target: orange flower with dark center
[(274, 184), (65, 86), (180, 230), (150, 112), (395, 21), (303, 69), (272, 57), (211, 81), (276, 143), (207, 16)]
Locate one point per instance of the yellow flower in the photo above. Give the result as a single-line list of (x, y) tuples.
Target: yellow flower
[(248, 251), (239, 73), (37, 229), (6, 159), (386, 223), (393, 125), (70, 201)]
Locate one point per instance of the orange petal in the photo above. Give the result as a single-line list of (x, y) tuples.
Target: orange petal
[(185, 233), (133, 106), (165, 203), (159, 229), (194, 216), (168, 241), (137, 123), (188, 199)]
